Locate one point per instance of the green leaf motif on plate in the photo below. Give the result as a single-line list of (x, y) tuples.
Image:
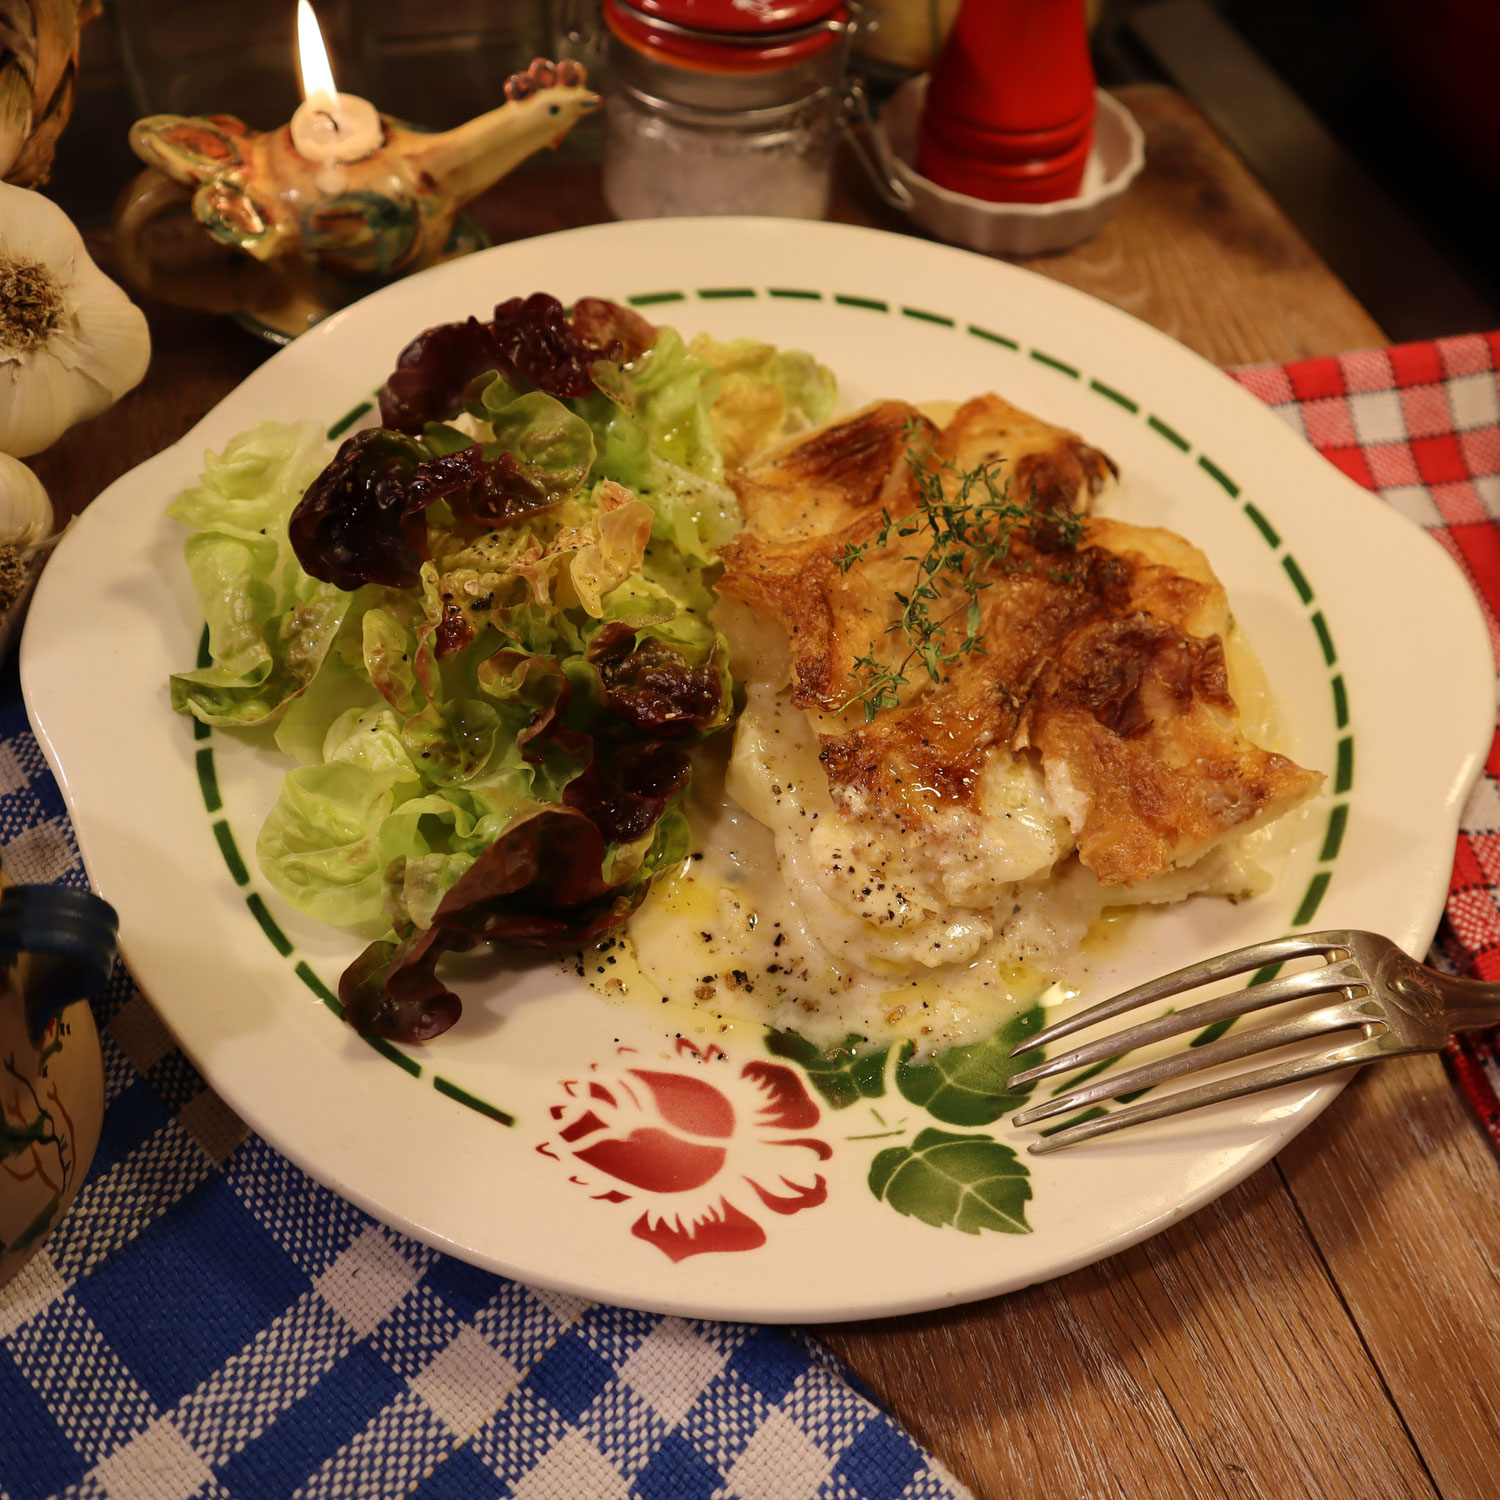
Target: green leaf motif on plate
[(842, 1074), (969, 1181), (970, 1085)]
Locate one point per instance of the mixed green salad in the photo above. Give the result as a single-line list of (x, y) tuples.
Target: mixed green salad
[(481, 629)]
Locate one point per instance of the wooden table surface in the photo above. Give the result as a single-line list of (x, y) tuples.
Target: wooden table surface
[(1331, 1327)]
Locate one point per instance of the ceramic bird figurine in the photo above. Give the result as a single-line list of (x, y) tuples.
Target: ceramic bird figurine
[(313, 236)]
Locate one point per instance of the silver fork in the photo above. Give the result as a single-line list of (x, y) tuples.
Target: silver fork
[(1396, 1004)]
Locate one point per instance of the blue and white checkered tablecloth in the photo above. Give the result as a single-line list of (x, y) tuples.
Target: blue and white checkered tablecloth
[(209, 1322)]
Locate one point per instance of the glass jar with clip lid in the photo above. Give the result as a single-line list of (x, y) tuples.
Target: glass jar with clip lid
[(724, 106)]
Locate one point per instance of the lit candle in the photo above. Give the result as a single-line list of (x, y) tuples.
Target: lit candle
[(329, 127)]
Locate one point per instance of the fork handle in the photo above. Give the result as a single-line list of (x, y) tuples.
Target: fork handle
[(1470, 1004)]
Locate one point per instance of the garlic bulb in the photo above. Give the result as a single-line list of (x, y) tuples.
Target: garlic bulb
[(25, 531), (71, 342), (25, 510)]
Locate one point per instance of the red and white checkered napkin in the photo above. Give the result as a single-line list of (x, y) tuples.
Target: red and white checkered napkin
[(1420, 425)]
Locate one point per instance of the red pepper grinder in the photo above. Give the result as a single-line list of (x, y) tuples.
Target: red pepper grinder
[(1010, 103)]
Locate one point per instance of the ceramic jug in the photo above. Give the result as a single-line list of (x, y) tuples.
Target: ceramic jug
[(57, 946)]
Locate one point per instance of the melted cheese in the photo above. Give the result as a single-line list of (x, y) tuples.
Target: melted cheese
[(882, 900), (794, 915), (749, 934)]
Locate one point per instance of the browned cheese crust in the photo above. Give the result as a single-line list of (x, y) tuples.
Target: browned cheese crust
[(1107, 661)]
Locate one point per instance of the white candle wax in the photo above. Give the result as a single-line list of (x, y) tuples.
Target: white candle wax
[(329, 128)]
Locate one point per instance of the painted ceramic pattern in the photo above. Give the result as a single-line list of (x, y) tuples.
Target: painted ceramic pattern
[(51, 1107), (704, 1164), (313, 237)]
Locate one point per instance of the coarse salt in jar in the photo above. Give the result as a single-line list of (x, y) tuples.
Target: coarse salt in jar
[(723, 106)]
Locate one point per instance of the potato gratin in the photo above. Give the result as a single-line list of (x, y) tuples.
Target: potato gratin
[(912, 841)]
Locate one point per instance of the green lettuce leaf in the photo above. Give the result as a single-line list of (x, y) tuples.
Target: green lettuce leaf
[(554, 445), (303, 727), (321, 846), (764, 393), (270, 626), (250, 488), (654, 436), (366, 836), (670, 389)]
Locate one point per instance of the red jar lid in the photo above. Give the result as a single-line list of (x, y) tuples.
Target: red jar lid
[(748, 17), (729, 36)]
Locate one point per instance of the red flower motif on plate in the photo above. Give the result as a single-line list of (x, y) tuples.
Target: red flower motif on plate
[(700, 1163)]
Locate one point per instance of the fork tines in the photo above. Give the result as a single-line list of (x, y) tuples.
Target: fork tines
[(1339, 974), (1225, 966), (1303, 1070)]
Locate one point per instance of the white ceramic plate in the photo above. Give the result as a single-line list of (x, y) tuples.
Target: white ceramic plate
[(584, 1145)]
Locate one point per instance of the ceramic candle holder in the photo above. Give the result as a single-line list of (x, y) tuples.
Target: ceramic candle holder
[(308, 237)]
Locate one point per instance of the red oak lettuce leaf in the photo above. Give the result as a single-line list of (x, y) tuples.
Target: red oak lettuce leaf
[(624, 791), (390, 990), (453, 631), (540, 344), (625, 783), (433, 372), (623, 787), (617, 333), (539, 885), (481, 491), (529, 339), (355, 524), (539, 683), (654, 687), (361, 520)]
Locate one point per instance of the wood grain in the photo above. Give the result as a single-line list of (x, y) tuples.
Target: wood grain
[(1330, 1328), (1402, 1196), (1201, 252), (1213, 1361)]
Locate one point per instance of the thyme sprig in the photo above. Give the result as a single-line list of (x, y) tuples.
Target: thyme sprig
[(969, 518)]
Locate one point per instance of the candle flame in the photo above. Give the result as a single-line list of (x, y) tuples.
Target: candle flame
[(312, 56)]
